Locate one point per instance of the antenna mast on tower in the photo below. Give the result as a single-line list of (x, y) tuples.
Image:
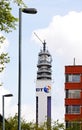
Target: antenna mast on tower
[(38, 37), (44, 43)]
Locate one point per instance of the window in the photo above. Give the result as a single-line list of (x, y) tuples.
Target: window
[(72, 78), (73, 109), (73, 93)]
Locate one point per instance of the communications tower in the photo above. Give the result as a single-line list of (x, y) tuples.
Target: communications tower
[(43, 87)]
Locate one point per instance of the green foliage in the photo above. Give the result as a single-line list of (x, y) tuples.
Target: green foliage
[(19, 2), (75, 126), (2, 38), (7, 20), (7, 24), (4, 58), (0, 125), (12, 121), (12, 124), (58, 126)]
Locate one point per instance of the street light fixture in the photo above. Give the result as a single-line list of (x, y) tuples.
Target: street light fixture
[(3, 96), (29, 11)]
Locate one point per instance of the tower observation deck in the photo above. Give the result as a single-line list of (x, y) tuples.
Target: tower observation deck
[(44, 64)]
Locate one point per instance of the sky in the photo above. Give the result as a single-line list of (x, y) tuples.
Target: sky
[(59, 23)]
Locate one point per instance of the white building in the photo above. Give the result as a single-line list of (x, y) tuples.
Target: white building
[(43, 87)]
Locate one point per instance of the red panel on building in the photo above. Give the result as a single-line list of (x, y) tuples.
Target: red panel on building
[(73, 93)]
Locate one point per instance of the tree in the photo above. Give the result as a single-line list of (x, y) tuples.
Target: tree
[(7, 20), (7, 24), (13, 124), (58, 126)]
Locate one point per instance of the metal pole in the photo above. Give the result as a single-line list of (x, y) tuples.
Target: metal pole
[(3, 127), (3, 109), (19, 73), (30, 11)]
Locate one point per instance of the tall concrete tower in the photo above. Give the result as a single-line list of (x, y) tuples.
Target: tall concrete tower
[(43, 87)]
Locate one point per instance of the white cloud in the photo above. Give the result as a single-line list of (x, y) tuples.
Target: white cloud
[(28, 112), (64, 35)]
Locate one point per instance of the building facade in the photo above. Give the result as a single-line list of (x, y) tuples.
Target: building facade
[(73, 95), (43, 86)]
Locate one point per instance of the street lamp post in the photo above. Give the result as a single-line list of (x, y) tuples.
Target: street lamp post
[(29, 11), (7, 95)]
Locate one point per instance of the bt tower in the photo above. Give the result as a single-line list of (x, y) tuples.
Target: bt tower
[(43, 87)]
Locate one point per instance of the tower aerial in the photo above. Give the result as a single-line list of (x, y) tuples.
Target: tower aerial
[(43, 87)]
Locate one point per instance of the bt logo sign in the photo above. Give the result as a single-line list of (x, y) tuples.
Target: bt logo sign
[(45, 89)]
